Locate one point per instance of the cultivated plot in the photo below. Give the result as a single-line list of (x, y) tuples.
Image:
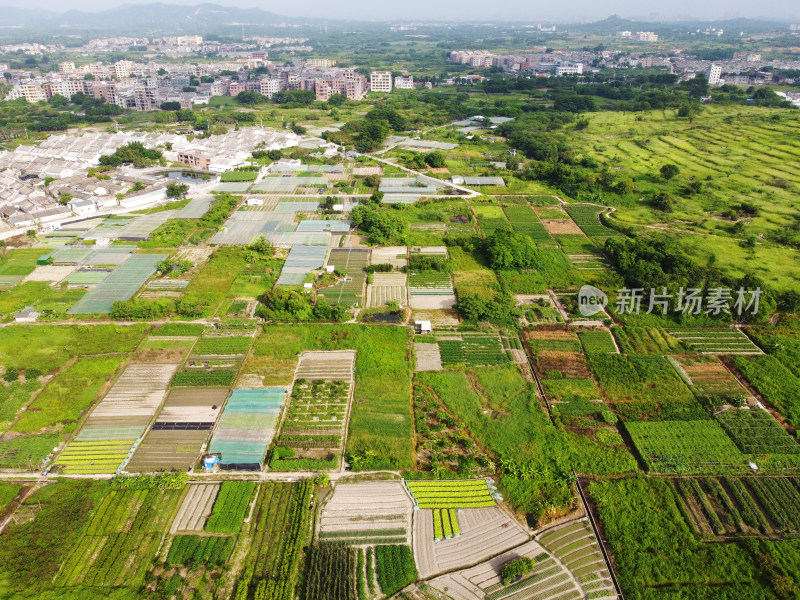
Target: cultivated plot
[(386, 288), (484, 533), (350, 290), (428, 357), (182, 427), (397, 256), (195, 508), (121, 539), (577, 548), (471, 349), (367, 513), (246, 427), (715, 340), (547, 580), (105, 440), (314, 429)]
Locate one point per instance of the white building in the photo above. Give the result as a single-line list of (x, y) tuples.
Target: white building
[(713, 74), (270, 87), (381, 81), (122, 69), (646, 36), (569, 69), (404, 83)]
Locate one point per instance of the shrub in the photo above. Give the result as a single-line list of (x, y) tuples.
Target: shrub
[(516, 568)]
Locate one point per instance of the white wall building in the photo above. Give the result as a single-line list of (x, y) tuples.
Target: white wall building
[(381, 81), (713, 74), (404, 83)]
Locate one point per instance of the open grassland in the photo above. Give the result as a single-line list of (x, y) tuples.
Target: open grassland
[(47, 347), (68, 394), (733, 154), (742, 151)]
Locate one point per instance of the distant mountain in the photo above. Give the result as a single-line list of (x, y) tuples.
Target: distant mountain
[(616, 23), (141, 19)]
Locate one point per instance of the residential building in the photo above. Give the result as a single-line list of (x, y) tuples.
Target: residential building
[(713, 74), (66, 67), (404, 83), (197, 159), (270, 87), (323, 90), (122, 69), (32, 92), (646, 36), (236, 88), (381, 81), (320, 63)]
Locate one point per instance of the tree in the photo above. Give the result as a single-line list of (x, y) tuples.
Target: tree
[(513, 163), (382, 226), (669, 171), (435, 159), (337, 99), (251, 98), (662, 202), (177, 190), (170, 106), (510, 250), (261, 245), (64, 199), (372, 180)]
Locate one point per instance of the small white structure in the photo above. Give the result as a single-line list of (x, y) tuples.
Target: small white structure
[(330, 268), (254, 201), (308, 286), (27, 315), (422, 327), (338, 208), (457, 180), (83, 207)]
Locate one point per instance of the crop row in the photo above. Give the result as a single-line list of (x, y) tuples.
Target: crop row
[(396, 568), (273, 567), (445, 524), (332, 572), (230, 507), (204, 379), (226, 345), (196, 550)]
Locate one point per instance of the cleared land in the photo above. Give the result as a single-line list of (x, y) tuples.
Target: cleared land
[(367, 513), (195, 507), (484, 533)]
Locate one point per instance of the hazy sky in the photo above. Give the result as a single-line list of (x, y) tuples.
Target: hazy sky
[(525, 10)]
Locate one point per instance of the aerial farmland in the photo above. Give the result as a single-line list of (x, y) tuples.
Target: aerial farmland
[(509, 349)]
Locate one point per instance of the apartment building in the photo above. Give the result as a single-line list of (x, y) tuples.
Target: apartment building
[(197, 159), (713, 74), (381, 81), (320, 63), (66, 67), (646, 36), (269, 87), (404, 83), (122, 69)]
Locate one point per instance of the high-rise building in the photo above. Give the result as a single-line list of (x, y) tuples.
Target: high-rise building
[(713, 74), (381, 81)]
